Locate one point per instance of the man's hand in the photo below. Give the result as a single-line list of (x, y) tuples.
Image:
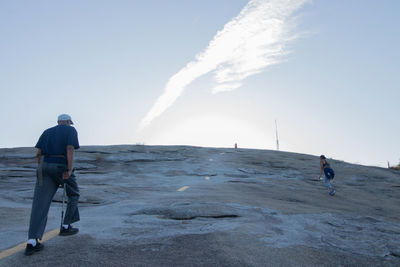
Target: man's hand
[(66, 175)]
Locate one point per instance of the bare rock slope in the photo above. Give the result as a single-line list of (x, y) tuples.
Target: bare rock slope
[(192, 206)]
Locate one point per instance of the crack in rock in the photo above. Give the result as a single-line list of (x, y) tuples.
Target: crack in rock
[(190, 212), (194, 217)]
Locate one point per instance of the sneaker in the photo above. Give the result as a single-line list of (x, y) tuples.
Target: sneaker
[(29, 250), (332, 192), (69, 231)]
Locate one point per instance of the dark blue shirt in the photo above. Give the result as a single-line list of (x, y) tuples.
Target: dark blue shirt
[(54, 141)]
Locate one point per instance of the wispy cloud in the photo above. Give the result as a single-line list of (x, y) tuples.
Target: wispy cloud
[(250, 42)]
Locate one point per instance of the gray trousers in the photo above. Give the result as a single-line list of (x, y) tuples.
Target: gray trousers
[(45, 189)]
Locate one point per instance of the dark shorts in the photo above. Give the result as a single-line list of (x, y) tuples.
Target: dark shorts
[(329, 173)]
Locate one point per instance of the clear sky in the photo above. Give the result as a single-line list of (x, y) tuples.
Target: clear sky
[(206, 73)]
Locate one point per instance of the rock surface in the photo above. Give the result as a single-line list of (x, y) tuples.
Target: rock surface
[(192, 206)]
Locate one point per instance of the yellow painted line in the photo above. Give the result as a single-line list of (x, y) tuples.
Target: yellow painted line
[(183, 188), (18, 248)]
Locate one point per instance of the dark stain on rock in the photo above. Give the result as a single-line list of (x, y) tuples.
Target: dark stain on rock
[(204, 216)]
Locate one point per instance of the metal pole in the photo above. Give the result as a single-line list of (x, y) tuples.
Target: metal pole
[(277, 140)]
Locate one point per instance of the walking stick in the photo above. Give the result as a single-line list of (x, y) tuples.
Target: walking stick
[(62, 207)]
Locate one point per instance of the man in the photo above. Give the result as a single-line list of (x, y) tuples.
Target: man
[(55, 153)]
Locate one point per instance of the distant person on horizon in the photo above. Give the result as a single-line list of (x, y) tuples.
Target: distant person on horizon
[(55, 154), (329, 174)]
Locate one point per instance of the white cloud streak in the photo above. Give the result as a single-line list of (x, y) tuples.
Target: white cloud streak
[(250, 42)]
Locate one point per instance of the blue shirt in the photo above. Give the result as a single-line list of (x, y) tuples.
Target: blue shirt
[(54, 141)]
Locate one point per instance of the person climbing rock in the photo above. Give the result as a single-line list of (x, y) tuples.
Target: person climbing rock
[(329, 174)]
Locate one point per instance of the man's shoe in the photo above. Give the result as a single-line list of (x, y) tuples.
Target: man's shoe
[(69, 231), (29, 250)]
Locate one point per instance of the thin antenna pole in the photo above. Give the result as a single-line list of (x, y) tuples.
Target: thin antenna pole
[(277, 140)]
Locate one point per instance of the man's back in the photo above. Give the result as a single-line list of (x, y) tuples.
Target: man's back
[(55, 140)]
